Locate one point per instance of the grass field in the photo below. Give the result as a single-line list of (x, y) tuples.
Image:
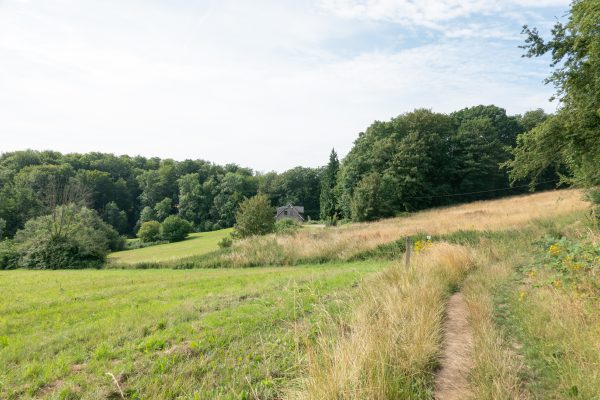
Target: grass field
[(199, 334), (196, 244), (528, 268)]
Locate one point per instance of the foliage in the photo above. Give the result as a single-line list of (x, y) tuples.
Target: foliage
[(328, 200), (287, 226), (175, 228), (255, 216), (569, 138), (144, 189), (9, 256), (115, 217), (70, 237), (300, 186), (163, 209), (570, 264), (149, 232), (424, 159)]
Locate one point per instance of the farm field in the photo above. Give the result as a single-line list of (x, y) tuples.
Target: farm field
[(196, 244), (164, 334)]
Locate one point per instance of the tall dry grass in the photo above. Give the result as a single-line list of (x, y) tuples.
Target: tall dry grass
[(496, 365), (343, 243), (388, 349)]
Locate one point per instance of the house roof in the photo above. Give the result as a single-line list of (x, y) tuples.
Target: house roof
[(299, 210)]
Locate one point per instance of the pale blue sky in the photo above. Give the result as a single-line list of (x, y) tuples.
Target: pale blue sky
[(265, 84)]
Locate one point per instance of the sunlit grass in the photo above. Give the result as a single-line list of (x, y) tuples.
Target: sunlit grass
[(162, 333), (195, 244)]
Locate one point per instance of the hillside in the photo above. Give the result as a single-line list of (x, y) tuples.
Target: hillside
[(195, 244), (347, 329)]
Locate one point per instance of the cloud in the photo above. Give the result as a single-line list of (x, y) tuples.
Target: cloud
[(432, 14), (267, 84)]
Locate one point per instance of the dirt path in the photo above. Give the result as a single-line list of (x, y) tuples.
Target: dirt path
[(457, 358)]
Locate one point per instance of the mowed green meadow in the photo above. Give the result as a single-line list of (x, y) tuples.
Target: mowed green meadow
[(196, 244), (165, 334)]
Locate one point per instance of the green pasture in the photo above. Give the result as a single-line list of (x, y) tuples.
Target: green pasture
[(196, 244), (164, 334)]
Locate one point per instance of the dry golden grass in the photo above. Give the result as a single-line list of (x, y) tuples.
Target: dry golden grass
[(389, 347), (342, 243)]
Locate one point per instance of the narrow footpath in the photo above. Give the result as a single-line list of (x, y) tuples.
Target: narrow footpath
[(457, 357)]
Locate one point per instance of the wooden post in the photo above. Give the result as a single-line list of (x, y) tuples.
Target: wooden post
[(408, 251)]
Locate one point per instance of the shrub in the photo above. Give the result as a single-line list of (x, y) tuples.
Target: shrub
[(287, 226), (175, 229), (149, 231), (226, 242), (70, 237), (255, 216), (8, 255)]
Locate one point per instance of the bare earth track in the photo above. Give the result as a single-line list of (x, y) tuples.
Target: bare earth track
[(457, 358)]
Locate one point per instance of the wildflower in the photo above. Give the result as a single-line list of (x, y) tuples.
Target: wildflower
[(421, 245), (557, 283), (521, 296), (555, 250), (532, 274)]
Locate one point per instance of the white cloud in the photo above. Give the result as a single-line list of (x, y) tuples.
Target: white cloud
[(428, 12)]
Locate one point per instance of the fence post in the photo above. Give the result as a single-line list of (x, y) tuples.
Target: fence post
[(408, 251)]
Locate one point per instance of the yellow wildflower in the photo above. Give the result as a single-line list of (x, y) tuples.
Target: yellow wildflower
[(557, 283), (555, 250)]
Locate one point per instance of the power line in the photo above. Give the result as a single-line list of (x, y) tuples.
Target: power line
[(481, 191)]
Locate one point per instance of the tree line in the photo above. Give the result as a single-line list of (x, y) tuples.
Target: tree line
[(417, 160), (424, 159), (127, 191)]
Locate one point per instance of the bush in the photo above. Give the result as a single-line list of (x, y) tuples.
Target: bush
[(287, 226), (175, 229), (149, 231), (255, 217), (8, 255), (226, 242), (71, 237)]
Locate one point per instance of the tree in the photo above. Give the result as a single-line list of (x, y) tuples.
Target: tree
[(147, 214), (175, 228), (70, 237), (163, 209), (570, 138), (115, 217), (365, 201), (328, 200), (255, 216), (194, 204), (149, 231)]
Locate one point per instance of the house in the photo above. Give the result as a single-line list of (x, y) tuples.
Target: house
[(290, 211)]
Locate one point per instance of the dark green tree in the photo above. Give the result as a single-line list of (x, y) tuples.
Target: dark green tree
[(69, 237), (175, 228), (328, 200), (116, 217)]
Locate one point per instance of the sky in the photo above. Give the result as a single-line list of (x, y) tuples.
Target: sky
[(267, 84)]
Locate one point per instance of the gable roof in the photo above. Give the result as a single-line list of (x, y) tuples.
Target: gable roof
[(298, 209)]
